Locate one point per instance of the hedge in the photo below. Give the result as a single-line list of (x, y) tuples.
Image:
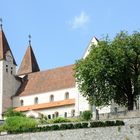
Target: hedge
[(68, 126)]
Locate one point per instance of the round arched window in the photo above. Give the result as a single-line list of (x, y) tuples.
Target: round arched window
[(67, 95), (36, 100), (51, 98), (21, 102)]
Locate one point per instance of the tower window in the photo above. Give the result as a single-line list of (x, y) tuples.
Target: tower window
[(21, 102), (51, 98), (67, 95), (11, 70), (36, 100), (6, 68)]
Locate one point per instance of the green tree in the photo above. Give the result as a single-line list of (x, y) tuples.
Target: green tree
[(111, 71)]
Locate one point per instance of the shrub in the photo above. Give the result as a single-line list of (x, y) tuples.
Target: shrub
[(118, 123), (78, 125), (43, 119), (63, 126), (84, 125), (59, 120), (97, 124), (18, 124), (70, 126), (54, 127), (86, 115), (109, 123), (10, 113)]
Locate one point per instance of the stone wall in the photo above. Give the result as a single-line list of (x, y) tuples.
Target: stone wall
[(128, 132), (120, 115)]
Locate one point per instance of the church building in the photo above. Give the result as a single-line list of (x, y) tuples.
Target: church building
[(53, 92)]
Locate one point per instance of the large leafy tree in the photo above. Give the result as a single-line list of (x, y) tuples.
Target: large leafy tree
[(111, 71)]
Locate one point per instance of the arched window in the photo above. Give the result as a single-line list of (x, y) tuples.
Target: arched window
[(72, 113), (51, 98), (53, 116), (49, 116), (11, 70), (21, 102), (36, 100), (65, 114), (56, 114), (67, 95)]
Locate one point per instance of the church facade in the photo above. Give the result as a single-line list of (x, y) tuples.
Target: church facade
[(53, 93)]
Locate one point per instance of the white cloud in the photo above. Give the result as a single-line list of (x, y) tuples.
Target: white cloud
[(80, 21)]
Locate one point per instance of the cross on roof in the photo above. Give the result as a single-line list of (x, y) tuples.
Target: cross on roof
[(29, 38)]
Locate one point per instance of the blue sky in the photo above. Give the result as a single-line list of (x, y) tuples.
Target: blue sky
[(62, 29)]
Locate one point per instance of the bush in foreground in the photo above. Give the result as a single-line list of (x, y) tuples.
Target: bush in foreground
[(86, 115), (59, 120), (17, 124), (22, 124)]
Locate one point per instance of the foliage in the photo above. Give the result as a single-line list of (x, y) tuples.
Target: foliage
[(75, 119), (54, 127), (111, 71), (19, 123), (84, 125), (10, 113), (97, 124), (106, 123), (119, 123), (43, 119), (59, 120), (78, 125), (110, 123), (86, 115), (32, 127), (63, 126)]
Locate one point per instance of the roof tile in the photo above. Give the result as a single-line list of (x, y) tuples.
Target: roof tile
[(46, 81), (46, 105)]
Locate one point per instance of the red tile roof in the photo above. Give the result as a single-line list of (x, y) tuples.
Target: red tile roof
[(46, 105), (45, 81), (29, 63)]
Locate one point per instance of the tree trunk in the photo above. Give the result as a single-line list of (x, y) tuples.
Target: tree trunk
[(130, 102)]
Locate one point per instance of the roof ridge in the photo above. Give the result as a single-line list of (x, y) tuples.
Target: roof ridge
[(52, 69)]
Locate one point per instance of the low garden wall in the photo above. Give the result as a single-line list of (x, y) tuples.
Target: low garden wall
[(120, 115), (128, 132)]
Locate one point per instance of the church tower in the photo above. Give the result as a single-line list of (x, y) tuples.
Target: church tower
[(8, 82), (29, 63)]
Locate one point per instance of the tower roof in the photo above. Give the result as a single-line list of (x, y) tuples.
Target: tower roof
[(29, 63), (4, 46)]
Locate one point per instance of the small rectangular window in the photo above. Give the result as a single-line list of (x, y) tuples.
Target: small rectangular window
[(11, 70), (6, 68)]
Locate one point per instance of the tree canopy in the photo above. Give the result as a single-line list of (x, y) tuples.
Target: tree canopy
[(111, 71)]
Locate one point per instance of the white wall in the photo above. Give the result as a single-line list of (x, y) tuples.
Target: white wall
[(81, 103)]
